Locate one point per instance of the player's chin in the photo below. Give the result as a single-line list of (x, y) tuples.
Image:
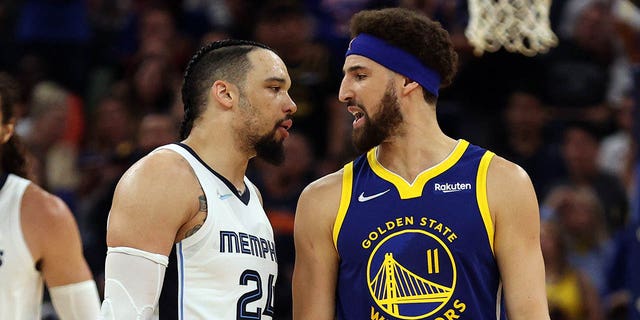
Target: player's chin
[(281, 134)]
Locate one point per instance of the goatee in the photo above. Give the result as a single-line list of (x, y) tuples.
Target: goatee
[(380, 127)]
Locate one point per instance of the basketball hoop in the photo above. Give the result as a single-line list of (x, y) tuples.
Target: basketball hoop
[(517, 25)]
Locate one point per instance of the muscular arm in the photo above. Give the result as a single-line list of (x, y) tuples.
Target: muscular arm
[(512, 201), (156, 203), (54, 241), (316, 267), (152, 203)]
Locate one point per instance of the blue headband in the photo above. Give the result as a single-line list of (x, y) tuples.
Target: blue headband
[(395, 59)]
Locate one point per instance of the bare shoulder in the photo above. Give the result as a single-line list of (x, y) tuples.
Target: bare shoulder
[(43, 210), (160, 179), (158, 170), (46, 221), (506, 180), (325, 189), (510, 191), (320, 201), (503, 170), (153, 199)]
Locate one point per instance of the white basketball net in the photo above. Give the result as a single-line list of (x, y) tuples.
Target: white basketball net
[(517, 25)]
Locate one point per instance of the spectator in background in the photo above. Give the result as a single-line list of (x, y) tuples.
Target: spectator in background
[(113, 126), (579, 150), (580, 217), (156, 129), (624, 275), (570, 293), (525, 139), (55, 159), (615, 156), (289, 29), (150, 88), (584, 64), (58, 33), (104, 158)]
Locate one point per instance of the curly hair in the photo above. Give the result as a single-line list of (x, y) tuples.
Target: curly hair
[(413, 33), (12, 154), (219, 60)]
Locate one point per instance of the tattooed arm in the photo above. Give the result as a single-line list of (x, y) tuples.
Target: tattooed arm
[(148, 215), (200, 218), (156, 203)]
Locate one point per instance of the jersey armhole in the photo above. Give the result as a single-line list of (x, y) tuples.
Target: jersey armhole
[(345, 199), (481, 195)]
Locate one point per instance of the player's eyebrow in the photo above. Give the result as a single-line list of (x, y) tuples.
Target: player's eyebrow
[(276, 79), (353, 68)]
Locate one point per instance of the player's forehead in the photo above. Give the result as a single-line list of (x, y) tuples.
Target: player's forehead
[(356, 62), (265, 64)]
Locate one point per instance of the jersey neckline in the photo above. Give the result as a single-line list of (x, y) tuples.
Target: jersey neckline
[(244, 197)]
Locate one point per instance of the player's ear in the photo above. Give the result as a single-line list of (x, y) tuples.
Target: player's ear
[(6, 130), (223, 92), (409, 85)]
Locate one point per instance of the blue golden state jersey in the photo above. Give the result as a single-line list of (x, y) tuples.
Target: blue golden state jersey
[(421, 250)]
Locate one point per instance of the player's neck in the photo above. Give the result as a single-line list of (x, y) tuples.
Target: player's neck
[(226, 160), (411, 154)]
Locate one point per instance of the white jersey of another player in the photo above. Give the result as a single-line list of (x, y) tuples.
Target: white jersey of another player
[(21, 284), (228, 268)]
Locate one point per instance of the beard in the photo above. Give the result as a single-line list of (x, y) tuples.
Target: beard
[(269, 148), (266, 146), (380, 127)]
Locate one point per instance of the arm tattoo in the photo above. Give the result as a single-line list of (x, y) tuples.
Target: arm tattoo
[(203, 208), (193, 230), (203, 203)]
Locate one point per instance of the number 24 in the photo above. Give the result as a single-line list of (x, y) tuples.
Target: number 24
[(254, 295)]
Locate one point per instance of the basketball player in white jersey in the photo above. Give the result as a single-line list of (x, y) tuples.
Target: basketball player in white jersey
[(194, 194), (39, 239)]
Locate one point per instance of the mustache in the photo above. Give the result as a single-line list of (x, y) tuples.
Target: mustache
[(279, 122)]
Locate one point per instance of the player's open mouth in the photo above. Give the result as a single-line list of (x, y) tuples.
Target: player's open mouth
[(286, 124), (356, 112)]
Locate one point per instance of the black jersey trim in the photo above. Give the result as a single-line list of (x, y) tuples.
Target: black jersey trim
[(244, 197), (3, 179)]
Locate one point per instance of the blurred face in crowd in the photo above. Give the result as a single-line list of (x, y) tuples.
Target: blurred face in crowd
[(52, 125), (580, 150), (524, 113), (6, 126), (150, 78), (113, 122), (594, 26), (550, 241), (156, 130)]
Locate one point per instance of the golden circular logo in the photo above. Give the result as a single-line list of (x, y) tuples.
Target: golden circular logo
[(411, 274)]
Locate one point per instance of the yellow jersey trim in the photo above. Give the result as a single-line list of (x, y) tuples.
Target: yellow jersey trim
[(345, 200), (481, 195), (413, 190)]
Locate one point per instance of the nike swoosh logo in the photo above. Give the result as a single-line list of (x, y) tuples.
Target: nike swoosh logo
[(363, 198), (225, 196)]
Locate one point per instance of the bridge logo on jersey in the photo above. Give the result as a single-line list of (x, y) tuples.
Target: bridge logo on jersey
[(411, 274)]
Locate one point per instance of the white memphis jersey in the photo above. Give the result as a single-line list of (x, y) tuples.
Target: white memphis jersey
[(228, 268), (20, 283)]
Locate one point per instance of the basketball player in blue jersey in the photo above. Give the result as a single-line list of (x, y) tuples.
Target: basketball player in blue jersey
[(421, 226), (194, 195), (39, 239)]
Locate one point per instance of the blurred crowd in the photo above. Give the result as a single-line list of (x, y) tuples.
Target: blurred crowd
[(99, 82)]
